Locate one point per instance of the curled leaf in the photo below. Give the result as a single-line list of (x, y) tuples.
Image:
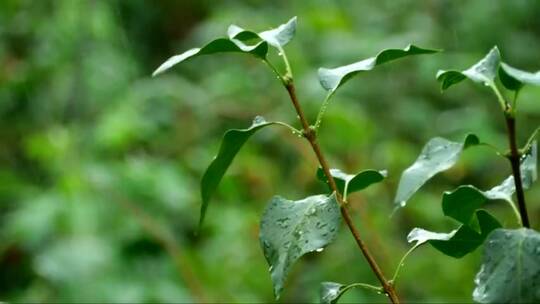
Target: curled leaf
[(461, 241), (290, 229), (332, 79), (484, 71), (221, 45), (514, 79), (277, 37), (351, 182)]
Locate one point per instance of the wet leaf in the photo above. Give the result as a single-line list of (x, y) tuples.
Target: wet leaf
[(330, 292), (514, 79), (510, 271), (354, 183), (332, 79), (461, 241), (277, 37), (438, 155), (484, 71), (232, 141), (221, 45), (290, 229)]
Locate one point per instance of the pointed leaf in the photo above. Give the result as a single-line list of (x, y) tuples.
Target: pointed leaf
[(277, 37), (461, 241), (354, 183), (332, 79), (484, 71), (514, 79), (221, 45), (330, 292), (290, 229), (232, 141), (510, 271), (438, 155), (281, 35)]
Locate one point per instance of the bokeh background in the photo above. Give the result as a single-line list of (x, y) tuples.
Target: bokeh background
[(100, 164)]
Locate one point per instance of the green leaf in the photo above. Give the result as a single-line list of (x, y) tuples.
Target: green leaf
[(332, 79), (461, 203), (277, 37), (484, 71), (232, 141), (438, 155), (221, 45), (330, 292), (290, 229), (353, 183), (461, 241), (510, 271), (514, 79)]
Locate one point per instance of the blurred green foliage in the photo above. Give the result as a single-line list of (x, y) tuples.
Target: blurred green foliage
[(100, 164)]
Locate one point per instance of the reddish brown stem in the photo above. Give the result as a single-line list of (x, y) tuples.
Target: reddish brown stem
[(514, 159), (311, 136)]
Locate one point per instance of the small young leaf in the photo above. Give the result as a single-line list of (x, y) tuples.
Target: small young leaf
[(221, 45), (438, 155), (232, 141), (514, 79), (510, 271), (332, 79), (461, 241), (330, 292), (484, 71), (277, 37), (354, 183), (290, 229)]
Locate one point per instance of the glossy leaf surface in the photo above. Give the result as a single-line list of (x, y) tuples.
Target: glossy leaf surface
[(221, 45), (332, 79), (232, 141), (330, 292), (484, 71), (354, 183), (290, 229), (510, 271), (277, 37), (461, 241), (438, 155), (514, 79)]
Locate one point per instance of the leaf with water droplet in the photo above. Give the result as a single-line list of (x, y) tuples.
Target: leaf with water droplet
[(461, 203), (514, 79), (510, 271), (354, 183), (284, 245), (232, 142), (461, 241), (330, 292), (484, 71), (332, 79), (438, 155)]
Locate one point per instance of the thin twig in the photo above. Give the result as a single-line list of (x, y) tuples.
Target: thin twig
[(311, 136), (514, 159)]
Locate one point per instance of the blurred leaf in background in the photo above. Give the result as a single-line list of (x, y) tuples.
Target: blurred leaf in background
[(100, 164)]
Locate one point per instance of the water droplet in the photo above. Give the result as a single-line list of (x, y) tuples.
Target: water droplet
[(258, 120), (319, 249)]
